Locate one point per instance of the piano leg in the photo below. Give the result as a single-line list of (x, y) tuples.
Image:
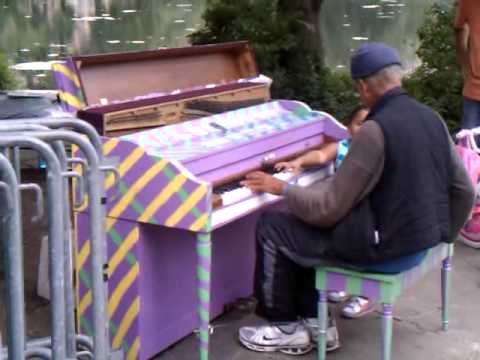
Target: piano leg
[(204, 253)]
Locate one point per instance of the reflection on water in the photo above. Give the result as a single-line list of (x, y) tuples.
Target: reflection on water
[(43, 30), (47, 30), (348, 23)]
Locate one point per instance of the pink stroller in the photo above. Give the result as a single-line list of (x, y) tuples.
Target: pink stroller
[(470, 155)]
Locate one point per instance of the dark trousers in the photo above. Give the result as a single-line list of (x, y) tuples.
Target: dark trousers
[(287, 250), (471, 114)]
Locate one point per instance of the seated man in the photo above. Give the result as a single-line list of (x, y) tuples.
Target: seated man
[(401, 189)]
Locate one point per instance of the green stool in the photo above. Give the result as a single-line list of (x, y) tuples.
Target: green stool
[(381, 288)]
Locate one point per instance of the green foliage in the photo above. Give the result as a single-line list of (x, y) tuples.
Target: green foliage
[(340, 96), (7, 80), (437, 82), (282, 42), (284, 51)]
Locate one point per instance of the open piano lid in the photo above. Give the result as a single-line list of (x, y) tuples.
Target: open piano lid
[(119, 77), (225, 144)]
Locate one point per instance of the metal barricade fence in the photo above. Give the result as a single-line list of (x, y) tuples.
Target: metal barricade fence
[(47, 137)]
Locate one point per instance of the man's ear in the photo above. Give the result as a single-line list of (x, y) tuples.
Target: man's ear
[(362, 85)]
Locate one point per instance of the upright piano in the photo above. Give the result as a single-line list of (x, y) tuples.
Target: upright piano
[(180, 228), (120, 93)]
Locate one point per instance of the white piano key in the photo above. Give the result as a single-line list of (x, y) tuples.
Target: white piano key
[(284, 175), (232, 210), (234, 196), (242, 193)]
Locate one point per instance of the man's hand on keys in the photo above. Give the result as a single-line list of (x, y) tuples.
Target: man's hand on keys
[(258, 181)]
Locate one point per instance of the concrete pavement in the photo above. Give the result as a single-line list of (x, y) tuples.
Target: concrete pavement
[(417, 329)]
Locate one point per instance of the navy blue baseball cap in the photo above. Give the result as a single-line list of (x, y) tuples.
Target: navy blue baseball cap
[(372, 57)]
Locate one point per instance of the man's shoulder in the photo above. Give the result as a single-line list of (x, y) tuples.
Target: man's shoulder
[(422, 107), (400, 105), (411, 104), (403, 107)]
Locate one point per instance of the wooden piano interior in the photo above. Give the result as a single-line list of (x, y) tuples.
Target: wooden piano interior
[(129, 120), (190, 82)]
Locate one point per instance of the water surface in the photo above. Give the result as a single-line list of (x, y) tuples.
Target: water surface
[(40, 31)]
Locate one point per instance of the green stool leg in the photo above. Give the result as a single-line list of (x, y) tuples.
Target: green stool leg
[(387, 330), (322, 324), (446, 274)]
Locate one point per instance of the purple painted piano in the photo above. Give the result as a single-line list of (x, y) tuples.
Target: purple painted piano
[(180, 229)]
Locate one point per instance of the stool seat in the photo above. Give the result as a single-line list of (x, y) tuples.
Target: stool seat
[(382, 288)]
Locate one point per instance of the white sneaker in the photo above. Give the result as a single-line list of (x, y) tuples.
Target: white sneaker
[(333, 339), (270, 338), (357, 306)]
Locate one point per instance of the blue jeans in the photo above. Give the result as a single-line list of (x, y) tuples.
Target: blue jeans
[(471, 113)]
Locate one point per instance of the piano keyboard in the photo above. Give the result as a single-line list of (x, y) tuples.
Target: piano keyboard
[(241, 201), (233, 192)]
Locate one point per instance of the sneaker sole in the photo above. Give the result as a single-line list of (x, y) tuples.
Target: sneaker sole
[(290, 350), (329, 349), (297, 350), (472, 243)]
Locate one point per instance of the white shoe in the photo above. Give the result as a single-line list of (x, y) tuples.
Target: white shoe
[(333, 339), (357, 306), (270, 338)]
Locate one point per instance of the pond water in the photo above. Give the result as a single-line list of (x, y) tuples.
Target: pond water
[(346, 24), (38, 31)]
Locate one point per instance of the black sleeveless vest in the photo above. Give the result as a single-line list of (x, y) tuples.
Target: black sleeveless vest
[(408, 210)]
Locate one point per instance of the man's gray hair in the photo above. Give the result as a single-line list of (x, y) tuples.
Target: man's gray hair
[(392, 74)]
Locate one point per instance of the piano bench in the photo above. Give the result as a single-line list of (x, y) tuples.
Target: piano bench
[(381, 288)]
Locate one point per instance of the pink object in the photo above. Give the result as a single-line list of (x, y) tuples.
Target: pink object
[(470, 233), (471, 161)]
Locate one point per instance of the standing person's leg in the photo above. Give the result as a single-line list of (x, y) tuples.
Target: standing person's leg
[(471, 113), (283, 293)]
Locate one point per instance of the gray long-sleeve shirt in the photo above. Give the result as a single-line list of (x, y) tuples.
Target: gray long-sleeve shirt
[(324, 203)]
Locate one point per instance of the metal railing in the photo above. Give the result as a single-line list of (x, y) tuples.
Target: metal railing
[(47, 138)]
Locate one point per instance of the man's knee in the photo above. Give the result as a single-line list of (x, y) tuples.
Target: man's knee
[(272, 218), (271, 222)]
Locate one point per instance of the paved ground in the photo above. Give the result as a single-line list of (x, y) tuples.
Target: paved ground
[(416, 330), (417, 334)]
